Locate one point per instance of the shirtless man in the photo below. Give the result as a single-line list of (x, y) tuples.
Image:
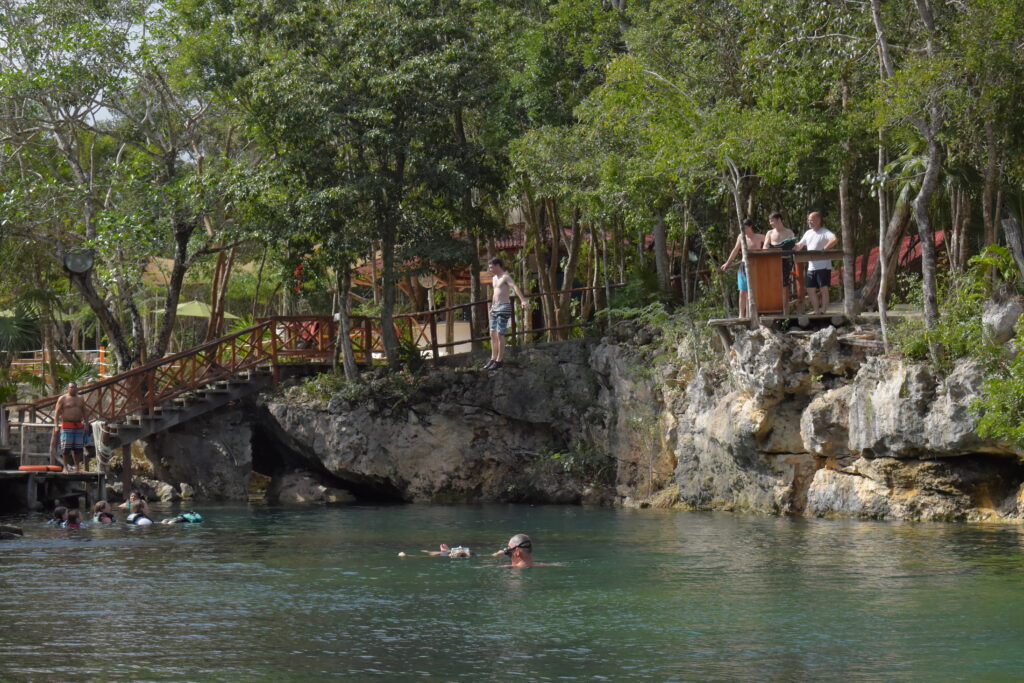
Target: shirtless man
[(775, 239), (520, 549), (501, 310), (754, 242), (70, 419)]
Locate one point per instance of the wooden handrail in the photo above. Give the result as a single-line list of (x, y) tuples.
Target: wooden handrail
[(270, 340)]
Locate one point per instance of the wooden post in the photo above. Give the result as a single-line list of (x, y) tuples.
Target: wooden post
[(275, 371), (433, 333), (368, 340), (32, 493), (126, 470), (5, 428)]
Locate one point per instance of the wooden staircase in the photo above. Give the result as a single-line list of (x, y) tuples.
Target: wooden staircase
[(187, 406)]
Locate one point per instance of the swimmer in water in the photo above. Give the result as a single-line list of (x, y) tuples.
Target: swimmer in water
[(138, 516), (101, 511), (520, 550), (448, 551), (60, 515), (74, 520)]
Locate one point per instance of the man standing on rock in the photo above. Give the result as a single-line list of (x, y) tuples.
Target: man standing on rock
[(70, 418), (819, 273), (501, 310)]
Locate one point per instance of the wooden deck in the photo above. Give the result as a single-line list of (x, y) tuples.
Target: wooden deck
[(46, 488)]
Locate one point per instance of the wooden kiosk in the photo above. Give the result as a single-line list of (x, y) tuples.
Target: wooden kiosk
[(766, 275)]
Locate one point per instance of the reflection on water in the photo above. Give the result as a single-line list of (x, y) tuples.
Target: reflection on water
[(300, 594)]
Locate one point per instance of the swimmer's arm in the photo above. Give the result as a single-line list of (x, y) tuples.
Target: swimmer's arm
[(58, 412)]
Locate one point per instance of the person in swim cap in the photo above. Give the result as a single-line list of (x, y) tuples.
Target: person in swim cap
[(520, 549)]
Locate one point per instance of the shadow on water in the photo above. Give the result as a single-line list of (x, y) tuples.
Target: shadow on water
[(279, 593)]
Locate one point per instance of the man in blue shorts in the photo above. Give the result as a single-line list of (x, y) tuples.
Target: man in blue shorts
[(754, 241), (71, 418), (501, 310)]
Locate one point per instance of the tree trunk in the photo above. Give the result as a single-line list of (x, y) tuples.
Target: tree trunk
[(476, 325), (846, 228), (111, 326), (387, 307), (343, 345), (1014, 240), (661, 263), (569, 277), (889, 242), (924, 229)]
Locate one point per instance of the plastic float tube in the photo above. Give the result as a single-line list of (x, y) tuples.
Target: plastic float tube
[(40, 468)]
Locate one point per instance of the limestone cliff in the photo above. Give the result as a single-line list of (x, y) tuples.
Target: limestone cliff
[(785, 423)]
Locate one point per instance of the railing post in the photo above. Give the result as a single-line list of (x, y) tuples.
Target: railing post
[(433, 334), (23, 435), (368, 340), (5, 428), (275, 372)]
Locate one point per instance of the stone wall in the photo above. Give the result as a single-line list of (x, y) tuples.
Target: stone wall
[(788, 424)]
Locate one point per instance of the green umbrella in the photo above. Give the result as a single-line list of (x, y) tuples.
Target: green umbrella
[(197, 309)]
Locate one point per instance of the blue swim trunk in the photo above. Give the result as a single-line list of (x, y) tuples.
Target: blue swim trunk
[(72, 439), (500, 315), (741, 279)]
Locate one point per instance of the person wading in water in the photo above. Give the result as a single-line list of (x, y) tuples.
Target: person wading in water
[(70, 419), (501, 310)]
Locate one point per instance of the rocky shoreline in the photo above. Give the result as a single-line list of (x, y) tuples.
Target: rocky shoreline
[(784, 424)]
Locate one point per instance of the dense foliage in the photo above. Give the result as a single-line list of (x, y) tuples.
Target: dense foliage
[(275, 152)]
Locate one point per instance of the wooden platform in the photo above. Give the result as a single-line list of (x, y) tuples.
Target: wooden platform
[(53, 486)]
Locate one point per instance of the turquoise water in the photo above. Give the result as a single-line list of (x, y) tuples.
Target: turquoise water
[(277, 594)]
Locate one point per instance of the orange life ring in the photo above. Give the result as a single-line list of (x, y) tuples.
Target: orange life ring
[(40, 468)]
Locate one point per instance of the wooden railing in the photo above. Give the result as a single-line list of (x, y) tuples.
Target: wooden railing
[(270, 342)]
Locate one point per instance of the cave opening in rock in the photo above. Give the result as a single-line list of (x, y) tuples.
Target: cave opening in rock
[(272, 459)]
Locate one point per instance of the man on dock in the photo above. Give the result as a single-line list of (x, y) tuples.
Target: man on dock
[(70, 418), (754, 241), (501, 310), (819, 273), (781, 237)]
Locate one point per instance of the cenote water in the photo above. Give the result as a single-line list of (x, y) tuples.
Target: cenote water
[(262, 593)]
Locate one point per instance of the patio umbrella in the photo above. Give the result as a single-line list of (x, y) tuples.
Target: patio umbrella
[(197, 309)]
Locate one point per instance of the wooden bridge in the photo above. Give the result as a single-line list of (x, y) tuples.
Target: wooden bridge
[(158, 395)]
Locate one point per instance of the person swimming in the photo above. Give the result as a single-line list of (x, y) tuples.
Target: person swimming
[(74, 520), (138, 515), (60, 515), (185, 518), (448, 551), (102, 513)]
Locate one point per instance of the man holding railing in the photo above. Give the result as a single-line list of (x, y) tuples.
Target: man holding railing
[(70, 418), (501, 310)]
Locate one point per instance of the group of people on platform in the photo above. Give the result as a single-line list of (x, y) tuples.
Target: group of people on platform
[(819, 273), (136, 506)]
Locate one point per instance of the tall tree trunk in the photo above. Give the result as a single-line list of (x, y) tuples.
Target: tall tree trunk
[(661, 263), (343, 345), (846, 227), (890, 239), (569, 276), (988, 204), (387, 307), (108, 322), (475, 294), (924, 229)]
